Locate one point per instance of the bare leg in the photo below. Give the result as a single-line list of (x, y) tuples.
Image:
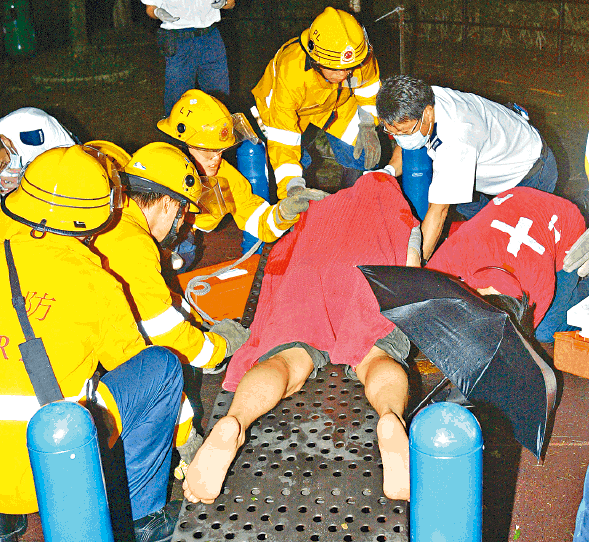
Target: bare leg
[(259, 391), (386, 388)]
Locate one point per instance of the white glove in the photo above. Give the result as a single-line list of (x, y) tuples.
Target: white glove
[(233, 333), (578, 256), (218, 4), (291, 206), (164, 15)]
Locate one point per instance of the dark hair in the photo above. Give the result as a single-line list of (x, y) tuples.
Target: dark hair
[(145, 199), (402, 98)]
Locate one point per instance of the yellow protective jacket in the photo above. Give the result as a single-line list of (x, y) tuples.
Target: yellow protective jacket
[(82, 316), (291, 95), (253, 214), (131, 254)]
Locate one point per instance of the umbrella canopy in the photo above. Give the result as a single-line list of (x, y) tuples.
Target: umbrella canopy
[(473, 343)]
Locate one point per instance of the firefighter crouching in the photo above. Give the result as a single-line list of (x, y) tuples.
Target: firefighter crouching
[(81, 314), (162, 187), (326, 77), (205, 125)]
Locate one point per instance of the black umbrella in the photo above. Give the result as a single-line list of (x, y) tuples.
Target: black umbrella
[(474, 344)]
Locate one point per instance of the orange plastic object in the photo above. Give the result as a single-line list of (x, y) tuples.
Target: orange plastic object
[(571, 353), (228, 296)]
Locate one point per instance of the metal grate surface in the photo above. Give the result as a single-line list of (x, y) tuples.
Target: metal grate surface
[(310, 470)]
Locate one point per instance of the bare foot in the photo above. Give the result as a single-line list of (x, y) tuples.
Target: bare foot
[(209, 467), (394, 450)]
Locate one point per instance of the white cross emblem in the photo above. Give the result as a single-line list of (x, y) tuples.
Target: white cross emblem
[(518, 236), (551, 226)]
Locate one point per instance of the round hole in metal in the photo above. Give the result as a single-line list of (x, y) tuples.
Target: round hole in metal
[(302, 509), (229, 536), (367, 474), (348, 538), (285, 491), (349, 519), (366, 510), (259, 473), (246, 465), (367, 492), (334, 509), (251, 508), (337, 473), (309, 458), (279, 527), (265, 517), (300, 528), (365, 529), (307, 474), (234, 517), (352, 466), (317, 518), (248, 527), (221, 507), (256, 491), (203, 516), (262, 536), (197, 535), (282, 508), (336, 491), (332, 528), (190, 507), (351, 500), (216, 525), (238, 499), (319, 500), (381, 519), (274, 466)]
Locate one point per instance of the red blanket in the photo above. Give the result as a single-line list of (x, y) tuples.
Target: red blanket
[(312, 290)]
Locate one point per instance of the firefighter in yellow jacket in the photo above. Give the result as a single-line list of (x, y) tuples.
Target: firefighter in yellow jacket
[(327, 77), (205, 125), (81, 314)]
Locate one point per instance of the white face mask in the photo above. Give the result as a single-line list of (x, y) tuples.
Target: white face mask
[(13, 167), (414, 141)]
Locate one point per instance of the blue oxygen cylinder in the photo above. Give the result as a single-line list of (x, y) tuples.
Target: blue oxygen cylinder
[(446, 472), (416, 178), (251, 163), (65, 459)]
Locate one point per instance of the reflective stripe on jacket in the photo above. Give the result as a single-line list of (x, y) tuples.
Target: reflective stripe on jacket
[(291, 95)]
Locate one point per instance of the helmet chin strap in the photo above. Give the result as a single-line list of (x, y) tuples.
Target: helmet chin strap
[(170, 238)]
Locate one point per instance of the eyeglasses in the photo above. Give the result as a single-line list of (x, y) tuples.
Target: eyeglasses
[(412, 131)]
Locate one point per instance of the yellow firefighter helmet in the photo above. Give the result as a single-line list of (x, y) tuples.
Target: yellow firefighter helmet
[(164, 169), (67, 191), (202, 121), (336, 40)]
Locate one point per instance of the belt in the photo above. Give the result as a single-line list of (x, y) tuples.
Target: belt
[(188, 33), (538, 164)]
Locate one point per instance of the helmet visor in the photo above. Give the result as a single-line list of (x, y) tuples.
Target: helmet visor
[(229, 131), (116, 194), (216, 198)]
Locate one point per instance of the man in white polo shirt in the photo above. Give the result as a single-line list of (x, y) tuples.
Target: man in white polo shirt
[(479, 148), (192, 45)]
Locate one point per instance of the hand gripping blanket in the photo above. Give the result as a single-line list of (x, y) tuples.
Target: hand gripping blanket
[(313, 292)]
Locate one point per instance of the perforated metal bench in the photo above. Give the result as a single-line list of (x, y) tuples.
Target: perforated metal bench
[(310, 470)]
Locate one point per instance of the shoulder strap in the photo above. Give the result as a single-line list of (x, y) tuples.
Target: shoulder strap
[(33, 351)]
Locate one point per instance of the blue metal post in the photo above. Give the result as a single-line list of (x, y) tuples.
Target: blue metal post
[(446, 471), (251, 163), (416, 178), (65, 459)]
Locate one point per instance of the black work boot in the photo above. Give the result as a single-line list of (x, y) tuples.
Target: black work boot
[(158, 526), (350, 176)]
